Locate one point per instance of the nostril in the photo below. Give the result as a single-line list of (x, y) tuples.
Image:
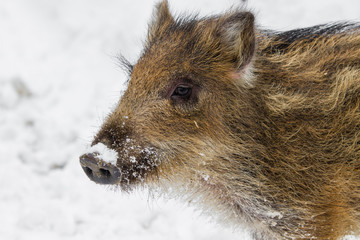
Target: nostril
[(88, 171), (98, 170), (104, 173)]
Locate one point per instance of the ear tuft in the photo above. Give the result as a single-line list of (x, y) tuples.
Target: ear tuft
[(162, 18), (238, 33)]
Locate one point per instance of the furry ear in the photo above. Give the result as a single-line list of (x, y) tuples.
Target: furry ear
[(162, 18), (238, 33)]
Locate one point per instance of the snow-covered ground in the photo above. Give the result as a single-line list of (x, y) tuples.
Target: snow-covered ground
[(58, 79)]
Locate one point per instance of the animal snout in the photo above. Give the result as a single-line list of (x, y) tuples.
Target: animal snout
[(99, 171)]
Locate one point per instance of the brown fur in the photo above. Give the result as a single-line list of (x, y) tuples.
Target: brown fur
[(270, 138)]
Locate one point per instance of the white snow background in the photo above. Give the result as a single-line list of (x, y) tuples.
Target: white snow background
[(59, 78)]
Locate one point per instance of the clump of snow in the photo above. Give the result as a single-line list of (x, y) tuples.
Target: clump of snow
[(104, 153)]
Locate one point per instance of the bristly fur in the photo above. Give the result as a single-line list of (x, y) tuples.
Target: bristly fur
[(271, 136), (125, 64), (318, 30), (312, 33)]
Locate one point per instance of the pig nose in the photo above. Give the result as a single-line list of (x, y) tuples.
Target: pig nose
[(98, 170)]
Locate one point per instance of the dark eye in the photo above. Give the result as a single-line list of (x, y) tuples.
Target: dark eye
[(182, 91)]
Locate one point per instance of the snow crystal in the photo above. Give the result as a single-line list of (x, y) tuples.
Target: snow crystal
[(148, 151), (132, 159), (104, 153), (274, 214), (206, 177)]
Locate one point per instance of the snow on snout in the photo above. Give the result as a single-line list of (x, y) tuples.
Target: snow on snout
[(104, 153)]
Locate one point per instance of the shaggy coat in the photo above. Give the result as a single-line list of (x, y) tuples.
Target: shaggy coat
[(260, 128)]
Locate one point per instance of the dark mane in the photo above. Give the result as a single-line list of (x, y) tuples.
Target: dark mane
[(285, 39)]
